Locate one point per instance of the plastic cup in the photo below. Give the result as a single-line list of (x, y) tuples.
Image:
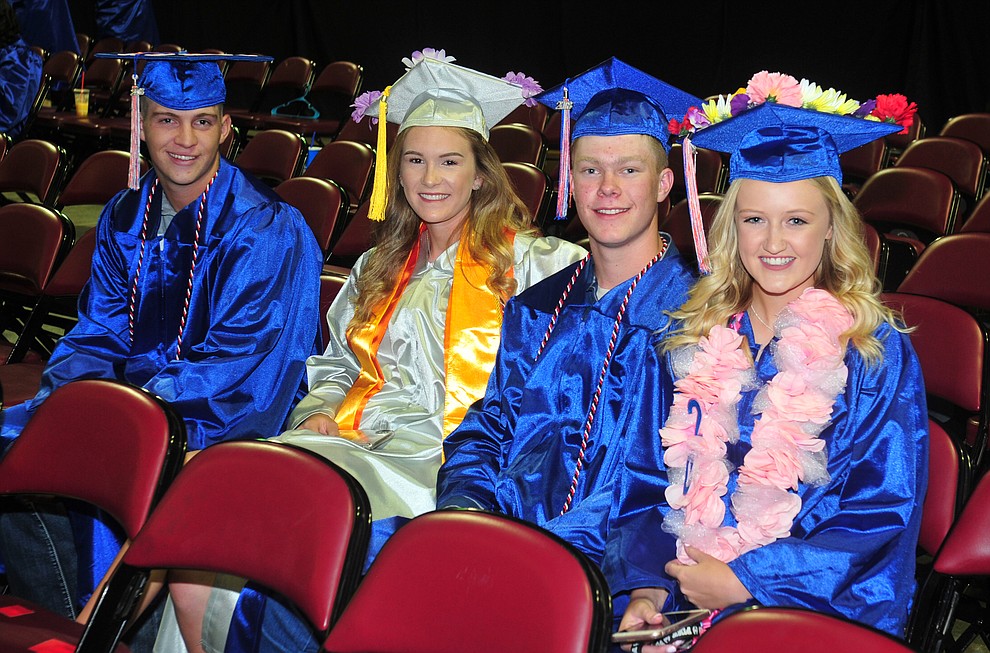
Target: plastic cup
[(82, 101)]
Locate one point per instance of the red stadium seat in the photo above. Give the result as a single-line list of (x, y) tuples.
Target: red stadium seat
[(476, 581)]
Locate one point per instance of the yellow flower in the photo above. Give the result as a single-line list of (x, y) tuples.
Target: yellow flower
[(717, 110), (830, 101)]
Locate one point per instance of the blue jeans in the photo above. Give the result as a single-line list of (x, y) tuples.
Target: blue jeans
[(37, 546)]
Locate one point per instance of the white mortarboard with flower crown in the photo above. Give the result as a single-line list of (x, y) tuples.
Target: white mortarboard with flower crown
[(179, 81), (780, 130), (435, 92)]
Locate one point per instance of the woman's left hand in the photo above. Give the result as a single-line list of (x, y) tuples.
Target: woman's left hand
[(709, 584)]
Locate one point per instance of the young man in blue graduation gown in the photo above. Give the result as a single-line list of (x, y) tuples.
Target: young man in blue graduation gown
[(204, 291), (577, 371)]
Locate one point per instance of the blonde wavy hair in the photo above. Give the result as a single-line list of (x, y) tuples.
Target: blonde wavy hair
[(846, 271), (495, 212)]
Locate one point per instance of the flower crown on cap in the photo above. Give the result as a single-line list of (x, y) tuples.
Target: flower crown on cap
[(786, 90), (528, 86)]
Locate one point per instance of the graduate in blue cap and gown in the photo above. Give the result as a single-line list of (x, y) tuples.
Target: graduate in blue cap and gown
[(204, 291), (578, 376), (793, 466)]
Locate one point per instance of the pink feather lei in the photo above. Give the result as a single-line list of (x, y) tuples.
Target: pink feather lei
[(795, 407)]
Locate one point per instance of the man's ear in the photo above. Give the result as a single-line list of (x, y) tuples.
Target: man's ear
[(666, 183), (224, 127)]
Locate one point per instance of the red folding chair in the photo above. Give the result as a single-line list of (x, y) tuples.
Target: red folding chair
[(476, 581), (956, 617), (103, 442), (794, 629), (323, 203), (282, 517)]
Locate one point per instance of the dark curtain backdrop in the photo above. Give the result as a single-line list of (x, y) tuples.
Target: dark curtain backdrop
[(931, 50)]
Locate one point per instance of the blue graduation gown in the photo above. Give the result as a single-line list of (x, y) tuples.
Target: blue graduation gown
[(852, 547), (253, 316), (20, 77), (515, 451)]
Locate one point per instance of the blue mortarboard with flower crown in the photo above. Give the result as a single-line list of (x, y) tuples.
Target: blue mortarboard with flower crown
[(180, 81), (435, 92), (779, 143), (612, 99), (780, 130)]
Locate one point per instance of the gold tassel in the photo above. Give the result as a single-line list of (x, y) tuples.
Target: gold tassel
[(379, 192)]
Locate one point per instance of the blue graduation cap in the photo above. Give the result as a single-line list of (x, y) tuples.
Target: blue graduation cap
[(612, 99), (778, 130), (779, 143), (180, 81)]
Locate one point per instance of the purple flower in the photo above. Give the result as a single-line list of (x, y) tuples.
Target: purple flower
[(530, 86), (697, 118), (364, 102), (738, 103), (427, 53), (865, 109)]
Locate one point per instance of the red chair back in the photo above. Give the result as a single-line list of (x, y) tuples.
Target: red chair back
[(793, 629), (103, 442), (917, 199), (273, 155), (534, 116), (270, 492), (517, 142), (322, 203), (33, 240), (966, 551), (33, 169), (98, 178), (354, 240), (330, 284), (348, 163), (475, 581), (961, 160), (532, 186), (955, 269), (948, 475)]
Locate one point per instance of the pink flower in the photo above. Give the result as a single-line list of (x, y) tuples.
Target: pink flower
[(704, 503), (364, 102), (771, 515), (774, 87), (530, 86), (793, 399), (819, 306), (778, 467), (805, 345), (770, 432)]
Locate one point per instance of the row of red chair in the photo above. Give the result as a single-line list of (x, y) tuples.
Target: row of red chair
[(495, 584)]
